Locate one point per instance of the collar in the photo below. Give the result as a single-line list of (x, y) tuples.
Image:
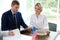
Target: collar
[(13, 12)]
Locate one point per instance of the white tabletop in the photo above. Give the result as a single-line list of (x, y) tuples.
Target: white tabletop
[(26, 37), (58, 37), (53, 35)]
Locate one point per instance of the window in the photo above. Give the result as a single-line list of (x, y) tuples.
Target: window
[(51, 8)]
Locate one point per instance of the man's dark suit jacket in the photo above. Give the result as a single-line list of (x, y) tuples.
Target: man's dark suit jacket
[(7, 22)]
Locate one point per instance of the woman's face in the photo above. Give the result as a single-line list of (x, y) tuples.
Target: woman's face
[(38, 9)]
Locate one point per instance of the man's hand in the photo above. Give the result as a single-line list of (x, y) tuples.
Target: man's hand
[(29, 29), (11, 33)]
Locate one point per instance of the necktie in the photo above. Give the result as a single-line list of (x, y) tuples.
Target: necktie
[(15, 20)]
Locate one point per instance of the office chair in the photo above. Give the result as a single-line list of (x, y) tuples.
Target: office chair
[(52, 26)]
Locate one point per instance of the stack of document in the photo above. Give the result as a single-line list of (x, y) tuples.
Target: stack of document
[(21, 37), (17, 36)]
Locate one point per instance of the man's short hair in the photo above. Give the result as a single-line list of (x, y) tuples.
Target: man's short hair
[(15, 2)]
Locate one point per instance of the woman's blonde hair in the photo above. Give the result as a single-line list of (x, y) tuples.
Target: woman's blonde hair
[(38, 4)]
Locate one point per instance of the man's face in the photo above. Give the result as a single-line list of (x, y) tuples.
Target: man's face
[(15, 8)]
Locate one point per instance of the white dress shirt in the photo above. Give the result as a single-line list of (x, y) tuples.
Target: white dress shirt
[(40, 22)]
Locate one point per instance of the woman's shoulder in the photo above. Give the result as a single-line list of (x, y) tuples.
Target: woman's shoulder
[(32, 15), (43, 15)]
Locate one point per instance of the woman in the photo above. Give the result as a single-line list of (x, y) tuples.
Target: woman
[(39, 21)]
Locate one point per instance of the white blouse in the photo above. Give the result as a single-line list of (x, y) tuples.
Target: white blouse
[(40, 22)]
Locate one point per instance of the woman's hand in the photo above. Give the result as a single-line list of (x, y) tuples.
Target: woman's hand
[(48, 32)]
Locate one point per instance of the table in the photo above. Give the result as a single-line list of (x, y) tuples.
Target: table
[(58, 37), (52, 36)]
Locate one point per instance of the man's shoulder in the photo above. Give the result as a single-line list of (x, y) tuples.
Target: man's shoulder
[(19, 13), (7, 12)]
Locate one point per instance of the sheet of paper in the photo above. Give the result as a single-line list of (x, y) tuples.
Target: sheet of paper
[(25, 37), (17, 36), (21, 37)]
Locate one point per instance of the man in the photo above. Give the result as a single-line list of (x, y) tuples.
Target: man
[(12, 19)]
